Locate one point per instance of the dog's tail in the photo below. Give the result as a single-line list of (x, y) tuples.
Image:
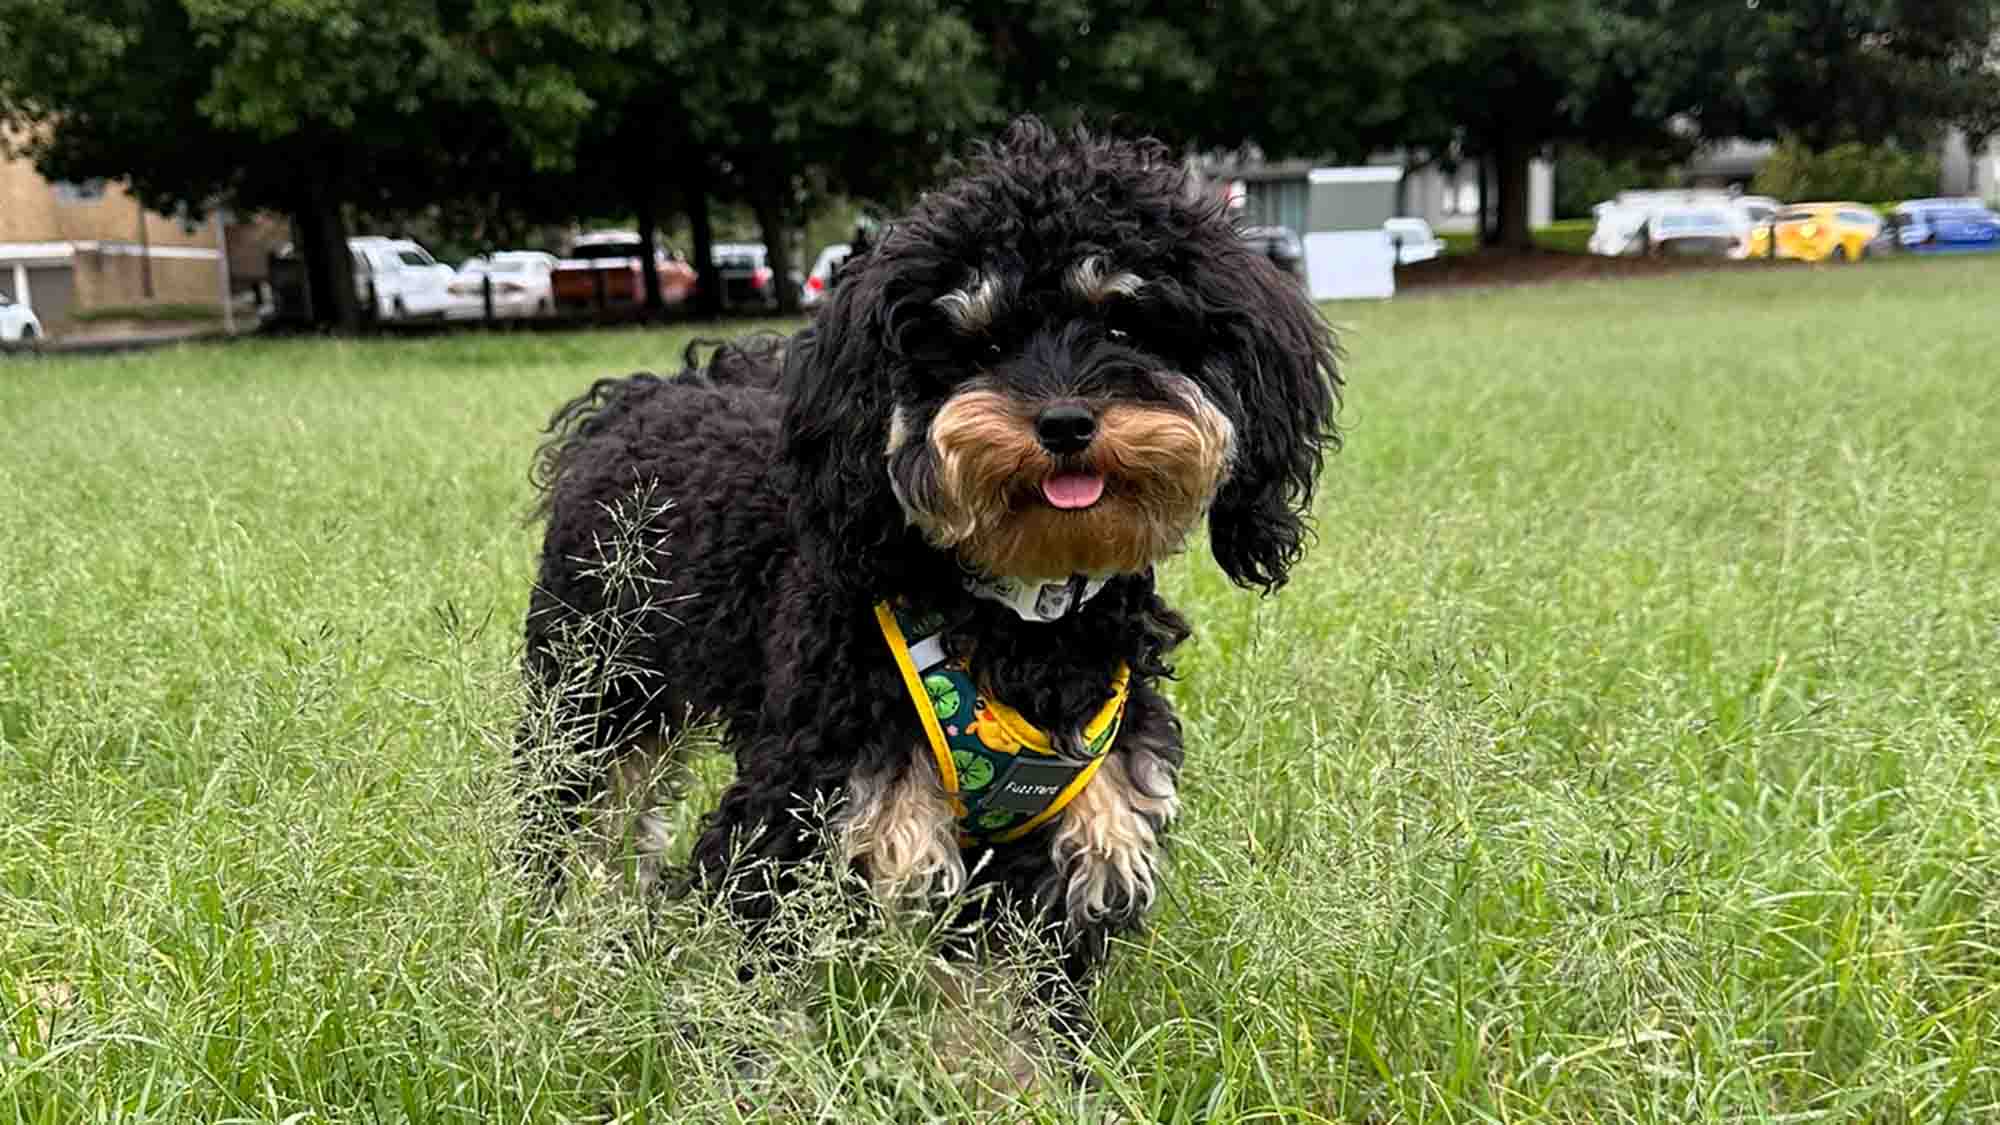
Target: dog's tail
[(751, 363), (576, 422)]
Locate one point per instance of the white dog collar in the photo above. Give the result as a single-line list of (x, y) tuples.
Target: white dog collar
[(1036, 601)]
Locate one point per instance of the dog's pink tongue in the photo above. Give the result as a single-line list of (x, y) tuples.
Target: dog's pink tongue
[(1073, 490)]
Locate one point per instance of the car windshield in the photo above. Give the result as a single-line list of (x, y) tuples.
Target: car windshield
[(1795, 215), (507, 267), (739, 257), (1692, 220), (413, 258), (598, 251), (1963, 215)]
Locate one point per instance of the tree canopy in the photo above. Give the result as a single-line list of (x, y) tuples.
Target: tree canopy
[(561, 109), (293, 107)]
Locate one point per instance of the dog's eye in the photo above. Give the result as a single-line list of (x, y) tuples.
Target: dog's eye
[(994, 350)]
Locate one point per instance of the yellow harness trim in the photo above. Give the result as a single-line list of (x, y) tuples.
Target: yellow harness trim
[(1015, 727)]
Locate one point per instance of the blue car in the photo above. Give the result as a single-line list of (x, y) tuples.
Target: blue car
[(1946, 226)]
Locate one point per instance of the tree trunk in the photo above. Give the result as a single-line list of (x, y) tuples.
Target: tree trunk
[(708, 288), (329, 271), (770, 210), (649, 236), (1485, 224), (1512, 159)]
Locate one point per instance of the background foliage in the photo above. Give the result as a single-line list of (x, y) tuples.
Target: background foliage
[(1852, 171)]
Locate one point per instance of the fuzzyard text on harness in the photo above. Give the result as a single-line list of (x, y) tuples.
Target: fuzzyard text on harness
[(1002, 774)]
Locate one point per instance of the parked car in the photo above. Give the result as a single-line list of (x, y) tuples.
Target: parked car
[(1758, 210), (603, 269), (1814, 232), (819, 281), (1945, 226), (400, 277), (521, 286), (1628, 223), (1414, 240), (1699, 232), (744, 270), (1281, 245), (18, 323)]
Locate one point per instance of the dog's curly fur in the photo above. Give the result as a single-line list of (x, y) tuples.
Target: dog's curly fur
[(787, 486)]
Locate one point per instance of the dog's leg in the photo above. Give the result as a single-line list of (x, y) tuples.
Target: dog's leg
[(619, 795), (553, 786), (1106, 855), (901, 832), (771, 819)]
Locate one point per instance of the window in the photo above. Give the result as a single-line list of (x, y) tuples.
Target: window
[(412, 258), (1277, 203), (739, 258), (1461, 197), (605, 251), (79, 191)]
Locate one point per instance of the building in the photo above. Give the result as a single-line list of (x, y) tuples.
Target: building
[(1275, 193), (67, 248), (1964, 171), (1448, 199)]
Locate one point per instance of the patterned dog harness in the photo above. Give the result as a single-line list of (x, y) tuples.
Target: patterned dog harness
[(1001, 773)]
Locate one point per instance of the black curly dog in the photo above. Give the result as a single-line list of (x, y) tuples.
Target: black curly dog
[(1045, 375)]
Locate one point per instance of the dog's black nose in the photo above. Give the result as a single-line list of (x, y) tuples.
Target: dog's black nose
[(1065, 428)]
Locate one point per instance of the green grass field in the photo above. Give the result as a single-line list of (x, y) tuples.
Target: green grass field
[(1626, 750)]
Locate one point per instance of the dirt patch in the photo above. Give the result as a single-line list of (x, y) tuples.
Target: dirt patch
[(1498, 268)]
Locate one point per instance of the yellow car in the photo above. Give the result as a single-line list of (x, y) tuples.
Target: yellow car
[(1817, 232)]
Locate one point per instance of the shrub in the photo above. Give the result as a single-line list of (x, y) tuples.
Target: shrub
[(1846, 171)]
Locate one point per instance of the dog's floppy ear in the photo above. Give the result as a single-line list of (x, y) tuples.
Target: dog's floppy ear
[(1279, 358), (836, 386)]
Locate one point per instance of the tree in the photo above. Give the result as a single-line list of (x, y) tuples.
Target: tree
[(1306, 78), (1512, 78), (303, 109), (796, 101), (1830, 71)]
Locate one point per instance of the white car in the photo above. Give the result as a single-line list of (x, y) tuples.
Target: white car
[(1413, 239), (1698, 232), (521, 286), (820, 281), (18, 324), (1634, 222), (401, 277)]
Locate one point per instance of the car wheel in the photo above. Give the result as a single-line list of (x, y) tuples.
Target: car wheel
[(398, 311), (542, 308), (28, 333), (1839, 253)]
